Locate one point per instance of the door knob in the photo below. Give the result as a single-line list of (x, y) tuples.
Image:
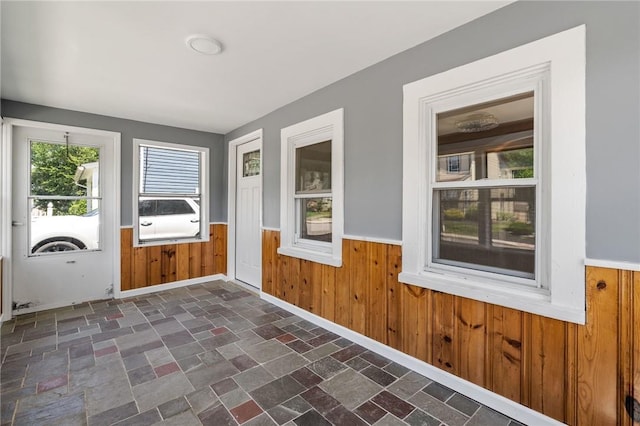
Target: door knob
[(16, 223)]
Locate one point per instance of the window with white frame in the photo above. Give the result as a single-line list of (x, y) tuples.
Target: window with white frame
[(311, 215), (170, 193), (494, 179)]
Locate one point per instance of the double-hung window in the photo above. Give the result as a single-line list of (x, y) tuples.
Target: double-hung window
[(494, 179), (170, 195), (311, 189)]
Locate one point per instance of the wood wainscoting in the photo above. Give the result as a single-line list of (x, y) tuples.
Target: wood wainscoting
[(580, 375), (152, 265)]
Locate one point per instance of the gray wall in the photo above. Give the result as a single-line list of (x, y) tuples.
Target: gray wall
[(372, 100), (135, 129)]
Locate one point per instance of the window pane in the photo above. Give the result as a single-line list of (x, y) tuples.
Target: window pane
[(492, 140), (314, 220), (251, 164), (58, 169), (169, 171), (57, 226), (169, 207), (313, 168), (168, 219), (486, 229)]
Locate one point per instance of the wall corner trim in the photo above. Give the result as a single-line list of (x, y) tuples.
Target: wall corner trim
[(168, 286), (499, 403)]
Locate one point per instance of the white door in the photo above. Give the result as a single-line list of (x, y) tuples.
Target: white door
[(248, 201), (63, 206)]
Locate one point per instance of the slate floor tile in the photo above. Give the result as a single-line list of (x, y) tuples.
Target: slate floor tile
[(371, 412), (393, 404), (276, 392), (208, 354), (311, 418), (246, 411)]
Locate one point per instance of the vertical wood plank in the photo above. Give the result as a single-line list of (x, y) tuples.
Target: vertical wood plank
[(304, 286), (571, 378), (471, 328), (548, 367), (195, 260), (416, 322), (525, 364), (328, 292), (154, 259), (168, 263), (598, 350), (182, 262), (394, 311), (140, 267), (208, 256), (635, 331), (625, 344), (507, 352), (376, 310), (268, 261), (358, 282), (343, 295), (283, 278), (220, 248), (294, 281), (316, 289), (444, 354), (126, 258)]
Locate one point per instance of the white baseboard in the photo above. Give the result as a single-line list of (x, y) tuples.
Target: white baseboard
[(169, 286), (473, 391), (56, 305)]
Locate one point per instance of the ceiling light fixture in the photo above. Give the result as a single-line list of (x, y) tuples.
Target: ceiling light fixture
[(479, 122), (204, 44)]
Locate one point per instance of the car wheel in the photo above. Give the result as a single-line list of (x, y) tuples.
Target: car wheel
[(53, 246)]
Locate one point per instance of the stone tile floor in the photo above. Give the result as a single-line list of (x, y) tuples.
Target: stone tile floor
[(212, 354)]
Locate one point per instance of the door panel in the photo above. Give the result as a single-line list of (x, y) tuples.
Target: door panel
[(63, 218), (248, 203)]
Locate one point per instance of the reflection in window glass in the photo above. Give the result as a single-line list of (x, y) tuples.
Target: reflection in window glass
[(251, 164), (64, 170), (169, 193), (489, 226), (315, 219), (313, 168), (158, 171), (54, 231), (486, 228)]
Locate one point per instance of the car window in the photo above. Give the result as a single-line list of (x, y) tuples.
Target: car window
[(146, 207), (168, 207)]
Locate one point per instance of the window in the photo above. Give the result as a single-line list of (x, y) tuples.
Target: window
[(170, 193), (311, 189), (494, 179)]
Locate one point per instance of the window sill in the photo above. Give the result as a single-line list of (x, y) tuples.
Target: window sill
[(152, 243), (523, 299), (313, 256)]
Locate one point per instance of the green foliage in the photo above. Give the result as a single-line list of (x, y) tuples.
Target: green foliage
[(471, 212), (505, 217), (520, 228), (453, 214), (52, 172), (521, 160)]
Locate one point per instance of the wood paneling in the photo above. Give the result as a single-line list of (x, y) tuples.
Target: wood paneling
[(579, 375), (147, 266)]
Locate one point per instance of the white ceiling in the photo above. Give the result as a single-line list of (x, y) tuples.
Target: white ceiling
[(129, 59)]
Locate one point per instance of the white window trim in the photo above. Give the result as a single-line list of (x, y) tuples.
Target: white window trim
[(204, 192), (559, 290), (328, 126)]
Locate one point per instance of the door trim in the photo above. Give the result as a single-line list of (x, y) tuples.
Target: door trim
[(5, 200), (231, 197)]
